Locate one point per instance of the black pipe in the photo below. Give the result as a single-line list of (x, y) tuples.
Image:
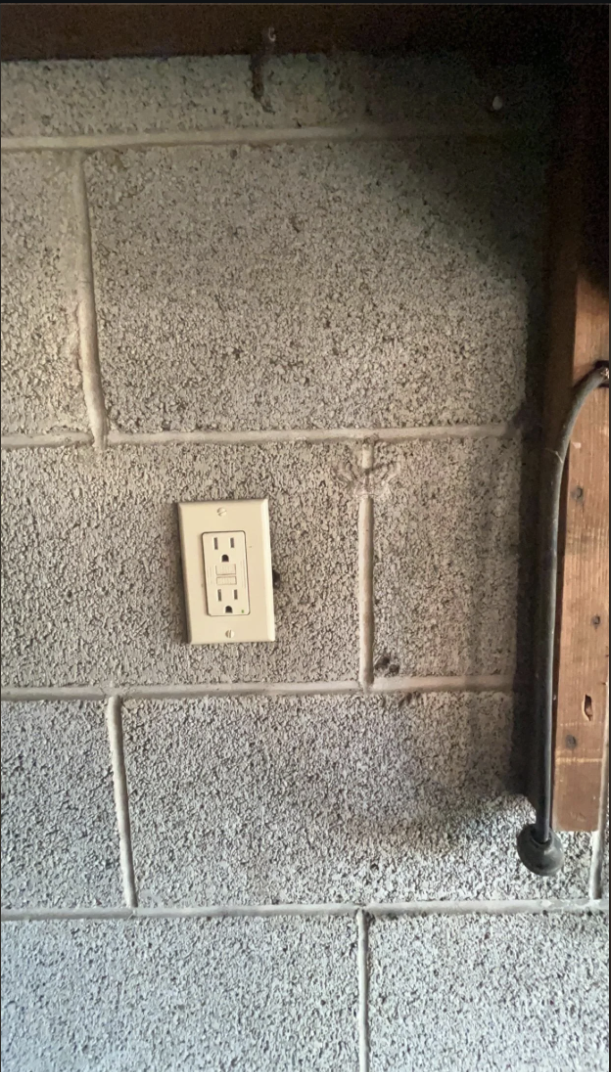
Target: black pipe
[(539, 847)]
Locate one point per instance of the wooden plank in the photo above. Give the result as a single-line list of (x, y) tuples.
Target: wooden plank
[(579, 338), (583, 649)]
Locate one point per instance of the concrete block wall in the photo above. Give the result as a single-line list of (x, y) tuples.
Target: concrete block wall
[(298, 855)]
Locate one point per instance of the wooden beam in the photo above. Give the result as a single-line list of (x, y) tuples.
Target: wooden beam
[(579, 338), (583, 646)]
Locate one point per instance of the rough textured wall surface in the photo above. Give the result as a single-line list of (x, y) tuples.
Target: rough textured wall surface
[(323, 287)]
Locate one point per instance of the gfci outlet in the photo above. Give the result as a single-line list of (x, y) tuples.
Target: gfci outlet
[(227, 566)]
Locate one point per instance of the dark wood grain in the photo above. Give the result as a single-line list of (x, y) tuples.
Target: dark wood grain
[(579, 338)]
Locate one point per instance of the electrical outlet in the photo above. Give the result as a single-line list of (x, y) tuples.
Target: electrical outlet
[(227, 570)]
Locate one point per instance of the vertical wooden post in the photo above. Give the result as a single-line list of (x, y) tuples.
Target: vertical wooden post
[(579, 338)]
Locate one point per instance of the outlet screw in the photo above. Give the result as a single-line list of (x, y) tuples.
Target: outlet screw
[(221, 511), (230, 633)]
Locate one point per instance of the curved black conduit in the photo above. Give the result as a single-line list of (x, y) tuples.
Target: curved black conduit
[(539, 848)]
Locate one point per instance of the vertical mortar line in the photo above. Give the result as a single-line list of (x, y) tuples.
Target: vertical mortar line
[(114, 722), (362, 923), (598, 837), (365, 551), (86, 311)]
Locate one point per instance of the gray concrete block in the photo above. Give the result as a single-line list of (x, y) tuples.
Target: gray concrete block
[(329, 799), (41, 381), (59, 831), (125, 96), (178, 995), (482, 994), (92, 575), (447, 542), (442, 90), (316, 286), (190, 93)]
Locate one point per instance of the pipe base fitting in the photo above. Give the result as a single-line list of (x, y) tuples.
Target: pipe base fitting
[(542, 859)]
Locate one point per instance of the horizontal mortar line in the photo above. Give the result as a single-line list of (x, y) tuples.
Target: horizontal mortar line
[(468, 683), (19, 441), (181, 912), (55, 439), (33, 693), (487, 908), (242, 688), (31, 915), (348, 909), (262, 136), (173, 691), (313, 435)]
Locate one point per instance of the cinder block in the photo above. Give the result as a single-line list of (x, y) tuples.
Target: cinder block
[(317, 286), (126, 96), (168, 995), (41, 381), (447, 557), (192, 93), (472, 993), (59, 831), (329, 799), (443, 91), (92, 577)]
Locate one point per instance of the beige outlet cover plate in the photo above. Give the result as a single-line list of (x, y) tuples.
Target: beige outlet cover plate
[(227, 569)]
